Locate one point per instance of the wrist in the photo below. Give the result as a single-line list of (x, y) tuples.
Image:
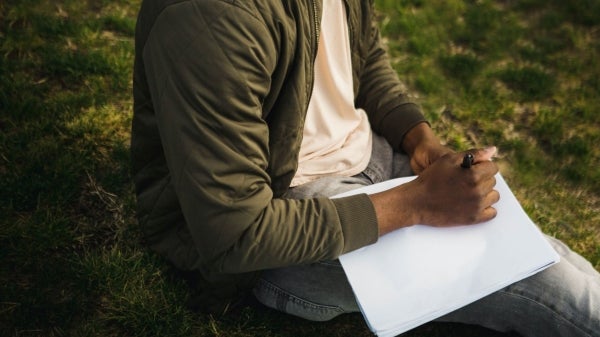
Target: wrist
[(394, 209)]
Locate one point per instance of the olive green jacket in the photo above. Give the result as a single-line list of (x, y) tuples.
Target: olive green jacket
[(221, 89)]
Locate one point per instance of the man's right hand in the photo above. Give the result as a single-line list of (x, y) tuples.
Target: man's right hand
[(445, 194)]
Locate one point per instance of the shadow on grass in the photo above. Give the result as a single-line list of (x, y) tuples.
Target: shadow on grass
[(258, 320)]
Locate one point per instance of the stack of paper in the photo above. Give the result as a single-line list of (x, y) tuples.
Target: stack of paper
[(417, 274)]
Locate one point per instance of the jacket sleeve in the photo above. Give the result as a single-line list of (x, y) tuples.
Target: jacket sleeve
[(209, 72), (381, 94)]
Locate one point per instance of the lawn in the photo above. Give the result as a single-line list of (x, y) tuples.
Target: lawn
[(521, 75)]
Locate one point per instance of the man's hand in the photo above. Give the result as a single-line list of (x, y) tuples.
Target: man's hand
[(444, 194), (423, 147)]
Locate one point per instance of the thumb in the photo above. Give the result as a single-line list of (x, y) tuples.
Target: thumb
[(485, 154)]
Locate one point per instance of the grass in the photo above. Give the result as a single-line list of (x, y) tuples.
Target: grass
[(522, 75)]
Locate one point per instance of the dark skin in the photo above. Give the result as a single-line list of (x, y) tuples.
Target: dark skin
[(444, 194)]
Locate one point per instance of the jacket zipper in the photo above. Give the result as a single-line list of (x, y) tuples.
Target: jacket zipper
[(316, 26), (316, 34)]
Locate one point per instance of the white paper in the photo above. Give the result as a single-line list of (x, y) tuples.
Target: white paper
[(417, 274)]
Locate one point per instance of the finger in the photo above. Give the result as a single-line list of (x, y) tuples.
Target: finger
[(485, 170), (488, 214), (486, 211), (483, 188), (441, 152), (484, 215), (484, 154), (488, 184), (491, 198)]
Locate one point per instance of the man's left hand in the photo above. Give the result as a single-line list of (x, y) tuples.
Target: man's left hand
[(426, 154), (423, 147)]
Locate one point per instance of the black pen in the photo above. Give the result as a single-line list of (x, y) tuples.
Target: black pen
[(467, 161)]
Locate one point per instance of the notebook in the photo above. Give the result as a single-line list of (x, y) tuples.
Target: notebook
[(417, 274)]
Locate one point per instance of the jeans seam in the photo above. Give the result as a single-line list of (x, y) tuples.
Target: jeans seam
[(278, 292), (372, 174), (552, 311)]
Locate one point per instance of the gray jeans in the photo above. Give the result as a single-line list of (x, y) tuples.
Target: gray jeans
[(563, 300)]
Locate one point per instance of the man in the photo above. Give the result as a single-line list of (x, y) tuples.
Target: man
[(250, 114)]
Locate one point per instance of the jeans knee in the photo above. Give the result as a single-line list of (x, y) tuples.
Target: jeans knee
[(276, 298)]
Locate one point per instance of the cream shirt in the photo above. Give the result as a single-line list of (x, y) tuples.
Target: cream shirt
[(337, 136)]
